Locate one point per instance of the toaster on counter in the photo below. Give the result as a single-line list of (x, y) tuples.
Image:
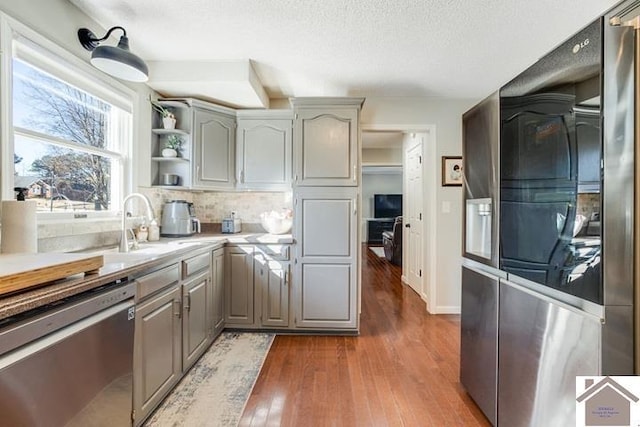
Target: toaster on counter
[(231, 225)]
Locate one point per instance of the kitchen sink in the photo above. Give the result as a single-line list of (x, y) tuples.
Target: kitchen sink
[(156, 248)]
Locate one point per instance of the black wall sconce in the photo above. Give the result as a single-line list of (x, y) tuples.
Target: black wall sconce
[(117, 61)]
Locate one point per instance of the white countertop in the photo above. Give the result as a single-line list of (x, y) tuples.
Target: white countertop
[(118, 265)]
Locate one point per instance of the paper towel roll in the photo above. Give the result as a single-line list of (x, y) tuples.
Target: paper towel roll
[(19, 227)]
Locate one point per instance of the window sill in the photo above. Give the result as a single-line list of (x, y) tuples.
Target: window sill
[(75, 217)]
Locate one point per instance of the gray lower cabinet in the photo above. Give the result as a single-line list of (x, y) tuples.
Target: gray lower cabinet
[(239, 295), (257, 283), (326, 271), (272, 284), (157, 353), (214, 143), (217, 285), (178, 315), (196, 325)]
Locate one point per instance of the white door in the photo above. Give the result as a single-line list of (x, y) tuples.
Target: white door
[(412, 220)]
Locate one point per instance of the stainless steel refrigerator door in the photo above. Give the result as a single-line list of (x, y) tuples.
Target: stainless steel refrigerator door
[(80, 375), (481, 151), (544, 345), (479, 339), (620, 220)]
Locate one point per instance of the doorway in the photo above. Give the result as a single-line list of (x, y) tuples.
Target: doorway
[(415, 161)]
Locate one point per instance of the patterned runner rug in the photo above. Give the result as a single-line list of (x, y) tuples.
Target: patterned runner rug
[(215, 391), (378, 250)]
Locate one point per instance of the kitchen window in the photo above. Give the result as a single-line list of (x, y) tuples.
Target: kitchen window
[(71, 134)]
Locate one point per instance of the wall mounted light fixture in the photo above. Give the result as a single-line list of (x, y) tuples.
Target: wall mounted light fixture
[(117, 61)]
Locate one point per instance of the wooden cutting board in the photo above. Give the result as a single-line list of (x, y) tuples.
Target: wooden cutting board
[(23, 271)]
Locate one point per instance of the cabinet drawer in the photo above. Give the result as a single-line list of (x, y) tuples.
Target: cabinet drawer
[(195, 264), (153, 282), (276, 252)]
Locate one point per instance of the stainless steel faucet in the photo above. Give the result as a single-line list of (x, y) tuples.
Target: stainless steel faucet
[(124, 243)]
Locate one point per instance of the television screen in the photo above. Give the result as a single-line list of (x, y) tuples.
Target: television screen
[(387, 205)]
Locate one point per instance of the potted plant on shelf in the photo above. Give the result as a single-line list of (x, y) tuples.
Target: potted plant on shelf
[(168, 118), (172, 146)]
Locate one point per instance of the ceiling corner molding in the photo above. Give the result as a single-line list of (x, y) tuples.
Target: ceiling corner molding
[(233, 83)]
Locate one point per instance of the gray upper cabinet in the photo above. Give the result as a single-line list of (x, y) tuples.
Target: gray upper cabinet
[(206, 160), (214, 148), (326, 131), (264, 150)]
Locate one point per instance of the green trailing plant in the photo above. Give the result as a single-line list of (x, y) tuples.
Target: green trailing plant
[(174, 142), (164, 112)]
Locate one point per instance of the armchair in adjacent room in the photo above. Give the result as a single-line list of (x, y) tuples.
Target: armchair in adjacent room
[(392, 241)]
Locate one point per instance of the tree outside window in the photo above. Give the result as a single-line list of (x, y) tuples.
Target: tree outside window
[(62, 138)]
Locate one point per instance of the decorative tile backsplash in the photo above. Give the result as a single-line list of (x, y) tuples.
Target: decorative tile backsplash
[(213, 207), (588, 204)]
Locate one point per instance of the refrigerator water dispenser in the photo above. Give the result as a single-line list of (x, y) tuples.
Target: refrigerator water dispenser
[(478, 227)]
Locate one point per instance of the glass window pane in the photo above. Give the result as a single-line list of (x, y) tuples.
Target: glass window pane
[(61, 179), (47, 105)]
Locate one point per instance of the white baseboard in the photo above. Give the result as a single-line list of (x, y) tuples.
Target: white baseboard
[(404, 279), (447, 309)]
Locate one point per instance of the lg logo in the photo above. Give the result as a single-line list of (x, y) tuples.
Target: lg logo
[(580, 45)]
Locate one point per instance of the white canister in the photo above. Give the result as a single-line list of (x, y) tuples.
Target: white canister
[(154, 231)]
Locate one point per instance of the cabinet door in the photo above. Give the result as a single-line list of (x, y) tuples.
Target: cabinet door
[(217, 276), (239, 298), (214, 146), (264, 154), (157, 352), (326, 272), (272, 282), (195, 324), (326, 147)]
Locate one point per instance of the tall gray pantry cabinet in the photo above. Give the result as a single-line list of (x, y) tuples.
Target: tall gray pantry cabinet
[(326, 196)]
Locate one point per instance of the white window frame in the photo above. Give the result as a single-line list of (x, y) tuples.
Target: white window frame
[(38, 51)]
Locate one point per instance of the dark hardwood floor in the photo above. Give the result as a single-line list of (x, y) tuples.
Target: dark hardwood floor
[(401, 370)]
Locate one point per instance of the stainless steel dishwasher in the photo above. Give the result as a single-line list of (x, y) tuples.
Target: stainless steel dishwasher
[(70, 363)]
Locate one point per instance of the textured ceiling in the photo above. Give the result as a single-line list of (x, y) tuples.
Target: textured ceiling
[(450, 48)]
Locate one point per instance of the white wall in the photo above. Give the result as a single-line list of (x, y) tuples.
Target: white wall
[(446, 116), (382, 156)]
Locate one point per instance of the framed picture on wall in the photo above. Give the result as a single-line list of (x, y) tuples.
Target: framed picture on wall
[(451, 171)]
